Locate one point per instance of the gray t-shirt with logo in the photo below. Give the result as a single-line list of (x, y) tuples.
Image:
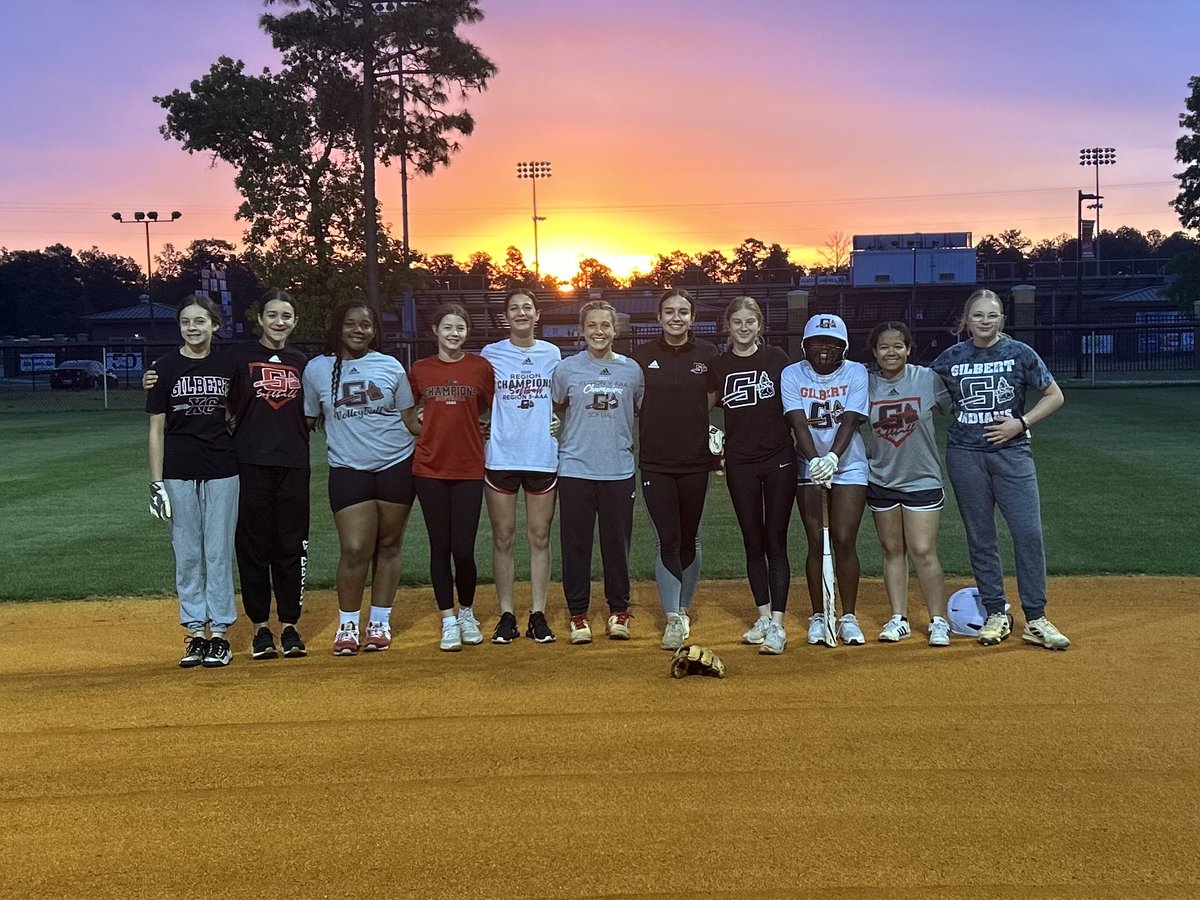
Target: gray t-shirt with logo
[(601, 396), (901, 445)]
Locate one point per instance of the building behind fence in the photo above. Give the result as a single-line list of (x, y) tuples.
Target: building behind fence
[(1112, 326)]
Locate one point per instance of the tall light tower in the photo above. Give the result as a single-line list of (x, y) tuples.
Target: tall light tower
[(533, 171), (1097, 157), (147, 219)]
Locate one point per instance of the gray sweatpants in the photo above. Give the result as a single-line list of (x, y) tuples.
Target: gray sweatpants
[(1006, 478), (202, 524)]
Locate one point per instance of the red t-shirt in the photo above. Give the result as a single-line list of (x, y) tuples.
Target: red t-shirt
[(454, 393)]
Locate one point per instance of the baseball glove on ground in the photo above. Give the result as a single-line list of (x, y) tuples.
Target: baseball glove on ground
[(696, 660)]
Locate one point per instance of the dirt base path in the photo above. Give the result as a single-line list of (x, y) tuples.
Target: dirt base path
[(561, 771)]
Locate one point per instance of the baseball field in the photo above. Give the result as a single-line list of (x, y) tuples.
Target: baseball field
[(560, 771)]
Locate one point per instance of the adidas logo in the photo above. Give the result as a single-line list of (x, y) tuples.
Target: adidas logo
[(274, 358), (653, 365), (605, 372), (893, 393), (353, 370), (527, 361)]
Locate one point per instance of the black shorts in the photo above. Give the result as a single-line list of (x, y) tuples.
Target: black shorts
[(509, 481), (391, 485), (881, 499)]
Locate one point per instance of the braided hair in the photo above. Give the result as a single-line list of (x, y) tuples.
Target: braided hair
[(333, 338)]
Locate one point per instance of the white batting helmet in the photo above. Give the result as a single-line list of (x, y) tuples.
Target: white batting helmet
[(965, 612), (827, 325)]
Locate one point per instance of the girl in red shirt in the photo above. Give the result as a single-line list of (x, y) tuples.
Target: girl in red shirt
[(451, 389)]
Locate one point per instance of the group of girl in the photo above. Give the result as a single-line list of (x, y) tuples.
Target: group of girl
[(459, 427)]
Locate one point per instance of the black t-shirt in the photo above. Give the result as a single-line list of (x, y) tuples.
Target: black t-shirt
[(192, 394), (268, 404), (747, 388), (673, 422)]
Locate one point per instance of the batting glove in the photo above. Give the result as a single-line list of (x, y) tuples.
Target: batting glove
[(821, 468), (555, 425), (160, 503), (716, 440)]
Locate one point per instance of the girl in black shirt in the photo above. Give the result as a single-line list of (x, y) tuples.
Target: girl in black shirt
[(673, 455), (760, 463), (194, 481)]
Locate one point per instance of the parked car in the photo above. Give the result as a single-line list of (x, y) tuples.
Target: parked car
[(81, 374)]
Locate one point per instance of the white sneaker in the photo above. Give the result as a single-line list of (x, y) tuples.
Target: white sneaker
[(939, 632), (816, 628), (758, 631), (675, 633), (451, 635), (1044, 634), (687, 623), (849, 631), (468, 626), (775, 641), (996, 629), (896, 629)]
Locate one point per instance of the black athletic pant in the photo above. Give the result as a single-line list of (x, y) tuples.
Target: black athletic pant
[(271, 541), (451, 511), (762, 495), (580, 502)]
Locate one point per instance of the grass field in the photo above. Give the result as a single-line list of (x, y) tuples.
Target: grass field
[(1117, 468)]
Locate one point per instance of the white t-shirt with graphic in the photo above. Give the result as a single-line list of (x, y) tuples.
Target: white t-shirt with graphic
[(521, 409), (363, 428), (823, 399)]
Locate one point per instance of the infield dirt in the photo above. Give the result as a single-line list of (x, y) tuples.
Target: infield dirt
[(567, 771)]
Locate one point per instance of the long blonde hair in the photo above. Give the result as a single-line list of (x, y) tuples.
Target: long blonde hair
[(750, 305)]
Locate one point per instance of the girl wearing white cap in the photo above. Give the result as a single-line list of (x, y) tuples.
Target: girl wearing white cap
[(825, 400)]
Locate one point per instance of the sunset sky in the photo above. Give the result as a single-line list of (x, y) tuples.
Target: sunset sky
[(670, 124)]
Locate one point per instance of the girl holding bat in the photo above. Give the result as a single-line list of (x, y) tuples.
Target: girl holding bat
[(825, 400)]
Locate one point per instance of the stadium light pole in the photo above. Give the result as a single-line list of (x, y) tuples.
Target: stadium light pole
[(147, 219), (533, 171), (1097, 157)]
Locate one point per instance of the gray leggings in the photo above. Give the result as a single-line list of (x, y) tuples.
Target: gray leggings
[(1006, 478)]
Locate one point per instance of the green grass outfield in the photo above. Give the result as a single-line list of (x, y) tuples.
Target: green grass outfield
[(1117, 468)]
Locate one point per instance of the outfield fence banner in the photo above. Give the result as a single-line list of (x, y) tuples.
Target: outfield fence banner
[(1159, 349)]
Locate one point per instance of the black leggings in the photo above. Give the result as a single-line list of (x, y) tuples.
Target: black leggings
[(675, 504), (762, 495), (451, 511)]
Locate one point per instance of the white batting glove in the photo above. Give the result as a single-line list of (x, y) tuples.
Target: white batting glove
[(716, 440), (160, 503), (821, 468)]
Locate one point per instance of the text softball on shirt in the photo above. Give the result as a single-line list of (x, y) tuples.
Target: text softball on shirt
[(523, 388), (274, 382)]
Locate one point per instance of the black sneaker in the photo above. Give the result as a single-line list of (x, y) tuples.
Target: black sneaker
[(218, 653), (289, 639), (539, 629), (193, 656), (264, 645), (506, 629)]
